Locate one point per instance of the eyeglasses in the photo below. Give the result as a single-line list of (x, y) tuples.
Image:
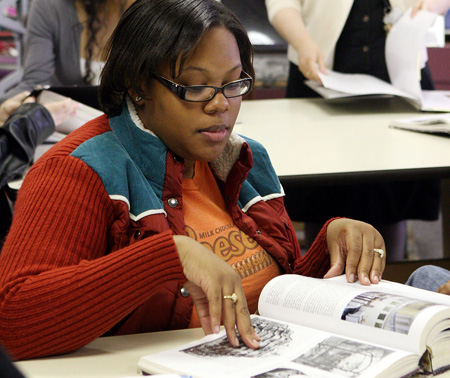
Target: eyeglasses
[(203, 93)]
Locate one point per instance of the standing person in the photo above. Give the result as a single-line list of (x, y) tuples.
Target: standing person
[(344, 35), (349, 36), (157, 216), (64, 41)]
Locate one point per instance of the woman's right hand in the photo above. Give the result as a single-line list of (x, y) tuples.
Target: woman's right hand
[(310, 59), (288, 22), (209, 279)]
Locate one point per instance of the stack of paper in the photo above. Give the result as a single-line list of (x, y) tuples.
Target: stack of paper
[(436, 124)]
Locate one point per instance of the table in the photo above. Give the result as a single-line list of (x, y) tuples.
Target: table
[(354, 142), (107, 357), (315, 141), (111, 357)]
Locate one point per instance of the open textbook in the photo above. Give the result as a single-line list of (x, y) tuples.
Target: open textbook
[(326, 328), (84, 114), (404, 53)]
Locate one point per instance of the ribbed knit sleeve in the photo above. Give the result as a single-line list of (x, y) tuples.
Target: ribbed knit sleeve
[(59, 287), (316, 261)]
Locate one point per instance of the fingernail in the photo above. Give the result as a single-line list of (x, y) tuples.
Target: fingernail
[(376, 279), (236, 341), (352, 278), (216, 329), (366, 280), (256, 342)]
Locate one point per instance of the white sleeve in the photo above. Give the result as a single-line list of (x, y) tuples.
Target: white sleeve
[(274, 6)]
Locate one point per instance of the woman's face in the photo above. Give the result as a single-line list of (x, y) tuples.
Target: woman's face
[(196, 130)]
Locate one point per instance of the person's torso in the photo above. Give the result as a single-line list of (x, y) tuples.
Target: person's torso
[(360, 47), (209, 222), (134, 168)]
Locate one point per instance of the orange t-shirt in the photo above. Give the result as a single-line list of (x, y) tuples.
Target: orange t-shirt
[(208, 221)]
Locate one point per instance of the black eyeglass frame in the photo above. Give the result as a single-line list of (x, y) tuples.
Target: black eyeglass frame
[(181, 90)]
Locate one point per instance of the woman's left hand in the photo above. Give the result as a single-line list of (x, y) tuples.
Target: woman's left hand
[(352, 246)]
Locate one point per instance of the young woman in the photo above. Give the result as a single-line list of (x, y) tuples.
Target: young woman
[(64, 41), (156, 215)]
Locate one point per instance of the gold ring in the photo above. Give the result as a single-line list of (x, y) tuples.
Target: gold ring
[(233, 297), (379, 251)]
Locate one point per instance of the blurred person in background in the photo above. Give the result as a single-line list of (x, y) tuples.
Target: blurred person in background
[(349, 36)]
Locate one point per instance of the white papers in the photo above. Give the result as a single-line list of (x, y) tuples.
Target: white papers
[(435, 124), (436, 101), (435, 36), (359, 84), (404, 45), (404, 53)]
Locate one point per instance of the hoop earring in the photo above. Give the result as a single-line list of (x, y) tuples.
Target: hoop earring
[(138, 98)]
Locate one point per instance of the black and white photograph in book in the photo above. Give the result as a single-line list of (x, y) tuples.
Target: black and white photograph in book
[(382, 310), (273, 337)]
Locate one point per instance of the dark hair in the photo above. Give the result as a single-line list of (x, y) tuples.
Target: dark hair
[(93, 25), (155, 32)]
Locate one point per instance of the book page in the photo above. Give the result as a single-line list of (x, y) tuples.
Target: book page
[(432, 323), (337, 306), (360, 84), (285, 350), (331, 94), (407, 291), (404, 46)]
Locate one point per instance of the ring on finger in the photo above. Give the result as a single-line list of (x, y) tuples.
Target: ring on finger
[(233, 297), (379, 252)]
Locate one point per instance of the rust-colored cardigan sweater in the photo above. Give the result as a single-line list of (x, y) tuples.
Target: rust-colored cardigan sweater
[(91, 252)]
